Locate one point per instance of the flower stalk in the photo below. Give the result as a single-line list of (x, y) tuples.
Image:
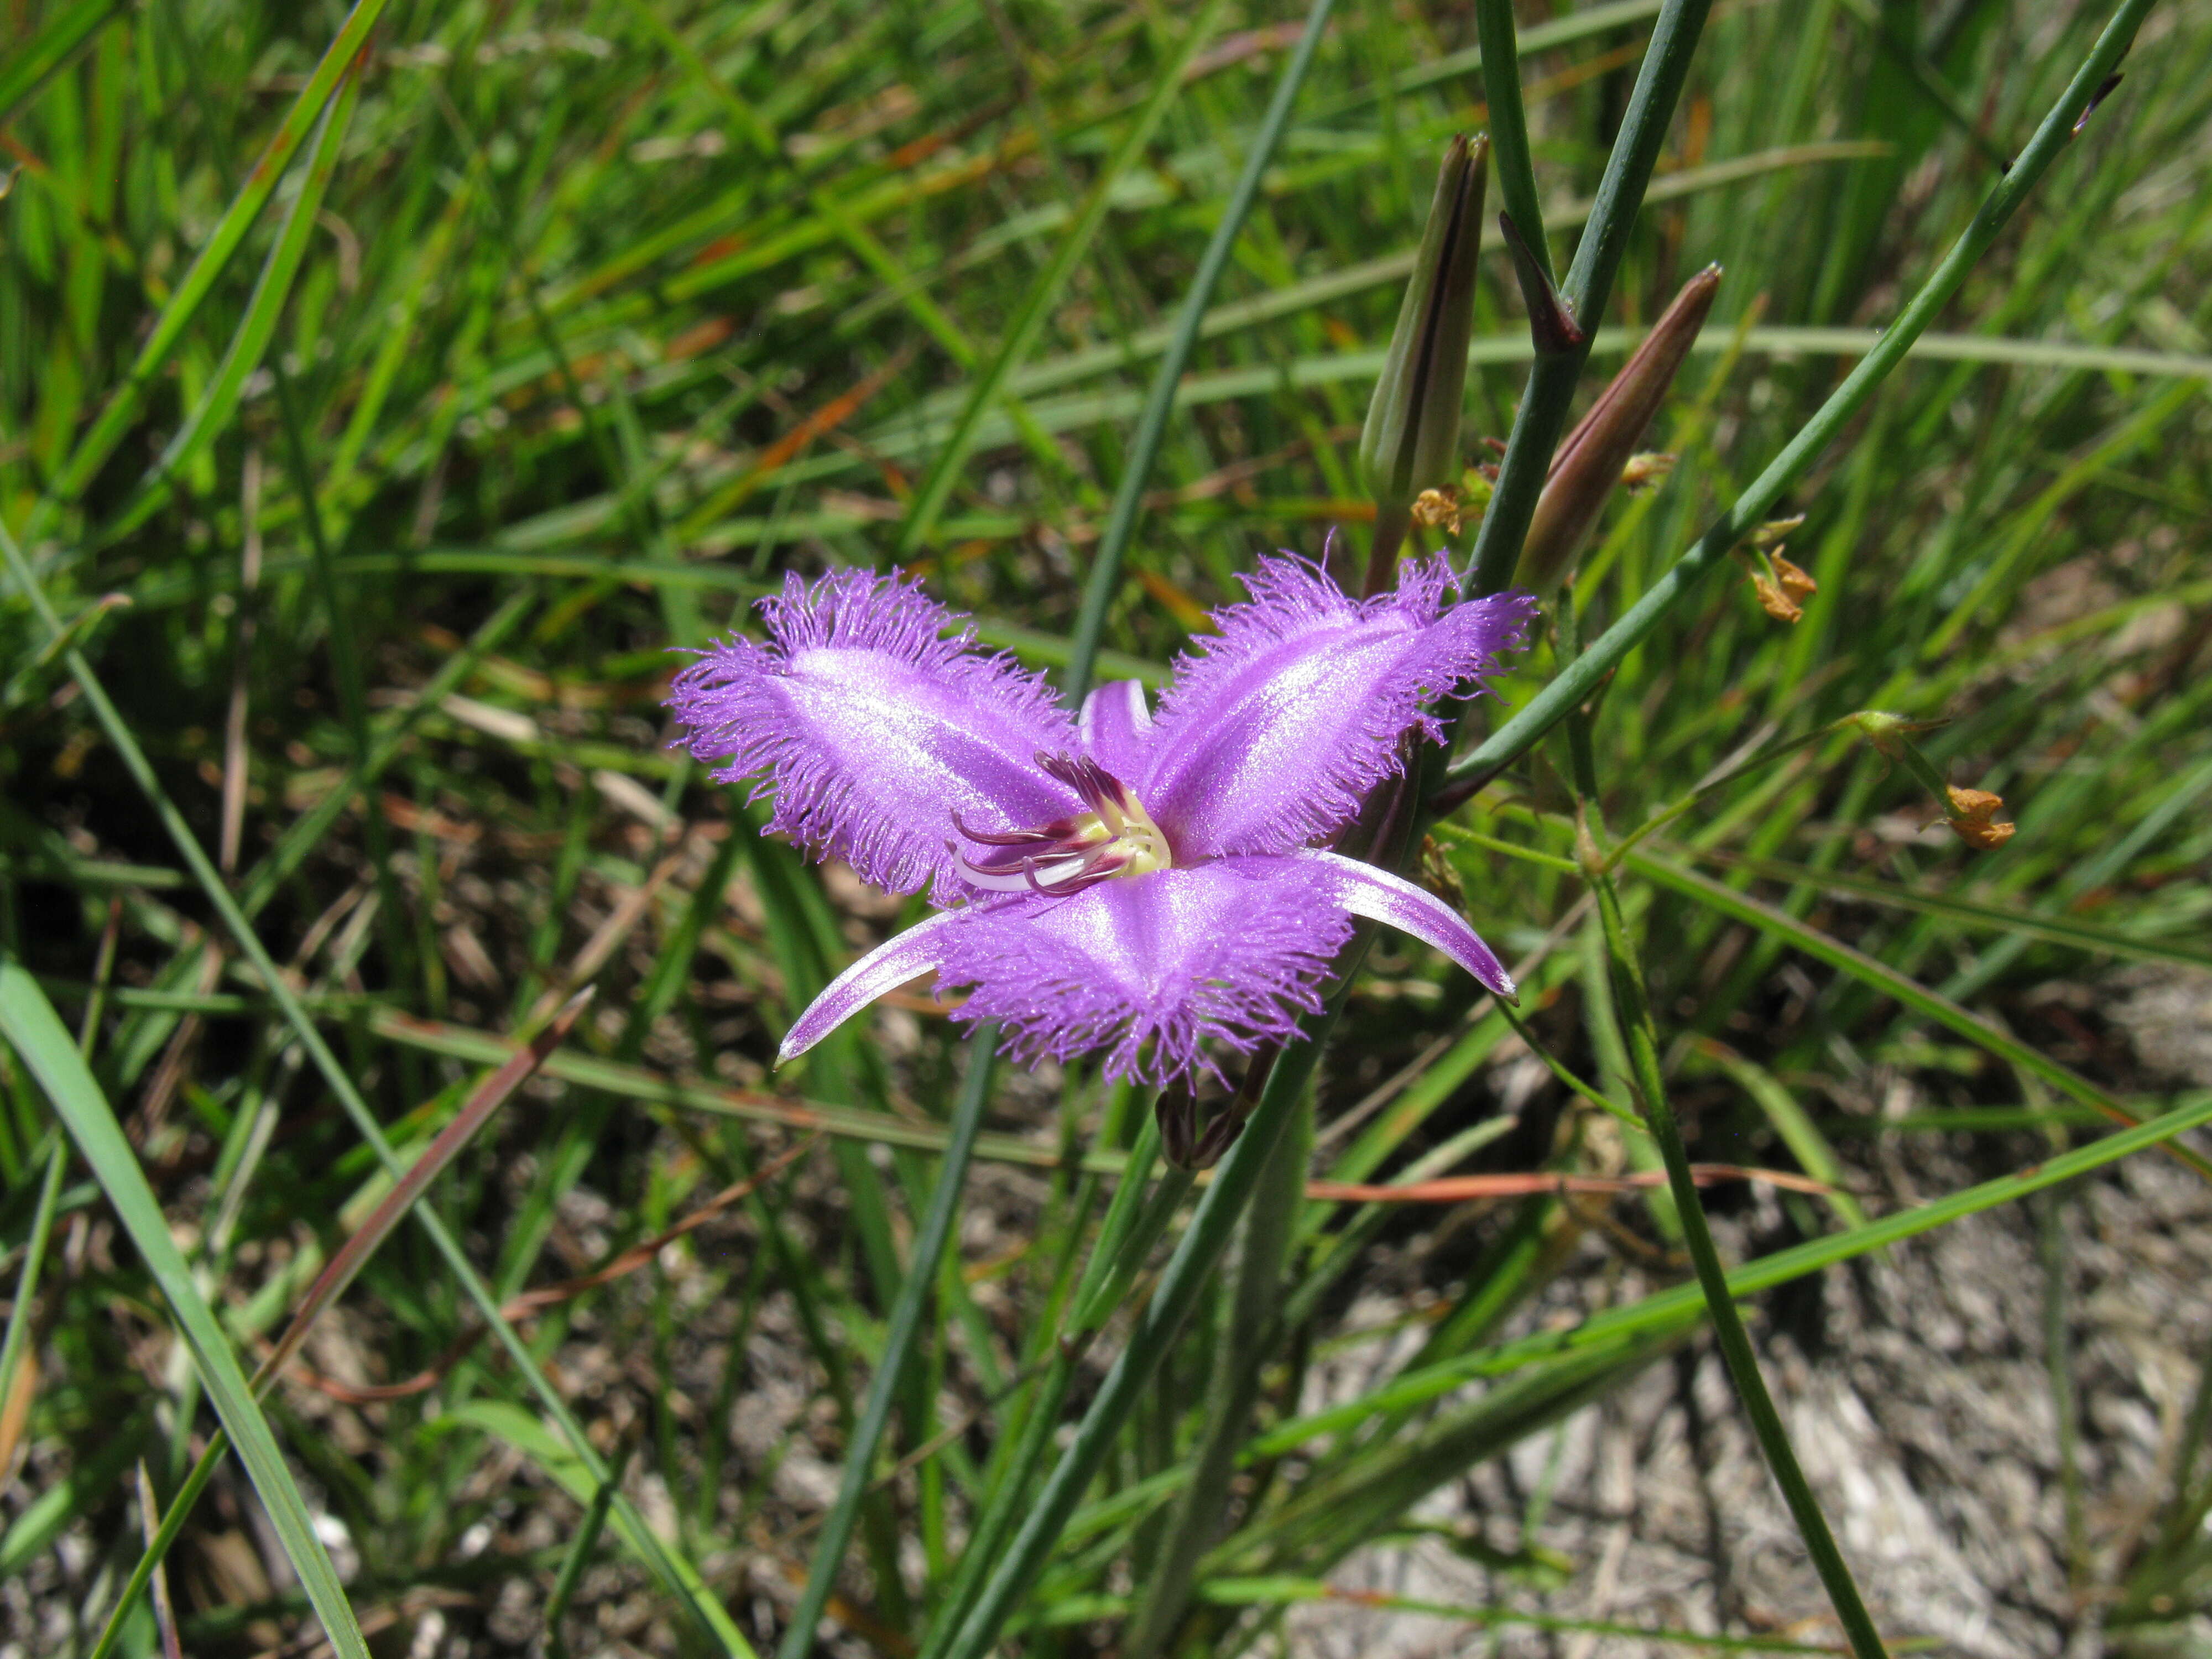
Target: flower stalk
[(1647, 1076), (1972, 813)]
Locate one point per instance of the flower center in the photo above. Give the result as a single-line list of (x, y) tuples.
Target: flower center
[(1116, 837)]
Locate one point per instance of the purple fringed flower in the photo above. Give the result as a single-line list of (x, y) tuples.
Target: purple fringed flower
[(1128, 882)]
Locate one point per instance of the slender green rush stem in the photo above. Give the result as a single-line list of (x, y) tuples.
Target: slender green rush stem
[(1757, 503), (1712, 1279), (1544, 405), (1159, 402), (701, 1605), (578, 1556), (34, 1256), (1075, 241), (1509, 123), (1634, 1003), (905, 1321), (1196, 1255), (1252, 1327), (1125, 1241)]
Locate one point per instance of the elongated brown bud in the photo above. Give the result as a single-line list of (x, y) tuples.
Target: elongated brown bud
[(1589, 464)]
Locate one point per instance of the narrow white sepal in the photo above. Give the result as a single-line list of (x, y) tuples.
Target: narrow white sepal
[(918, 950), (1380, 896)]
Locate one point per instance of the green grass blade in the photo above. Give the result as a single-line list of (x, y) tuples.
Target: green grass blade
[(1931, 1005), (208, 267), (210, 416), (1104, 580), (1045, 293), (905, 1320), (59, 33), (1685, 1304), (555, 1455), (26, 1289), (30, 1025), (2004, 919), (1794, 1124), (1283, 1591)]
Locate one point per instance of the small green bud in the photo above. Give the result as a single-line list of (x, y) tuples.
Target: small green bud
[(1590, 464), (1411, 440)]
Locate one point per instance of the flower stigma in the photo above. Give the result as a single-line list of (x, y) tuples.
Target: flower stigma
[(1116, 837)]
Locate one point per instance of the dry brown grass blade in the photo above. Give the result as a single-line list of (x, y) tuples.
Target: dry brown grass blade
[(15, 1410), (488, 1098), (164, 1611), (1459, 1189), (611, 933), (529, 1302)]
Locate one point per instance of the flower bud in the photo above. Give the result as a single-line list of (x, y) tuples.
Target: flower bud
[(1411, 440), (1592, 460)]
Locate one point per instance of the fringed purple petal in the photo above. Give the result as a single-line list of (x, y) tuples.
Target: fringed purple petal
[(872, 728), (1275, 730), (1151, 969), (890, 965), (1116, 724), (1367, 891)]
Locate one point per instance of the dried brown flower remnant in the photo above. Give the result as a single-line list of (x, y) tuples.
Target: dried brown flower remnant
[(1782, 588), (1433, 507), (1773, 601), (1973, 816)]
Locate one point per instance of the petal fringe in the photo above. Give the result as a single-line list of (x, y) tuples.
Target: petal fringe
[(1152, 969), (1275, 730), (872, 726)]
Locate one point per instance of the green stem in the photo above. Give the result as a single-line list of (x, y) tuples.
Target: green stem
[(936, 489), (1543, 711), (1254, 1330), (1712, 1279), (1125, 1240), (1509, 123), (1544, 405), (898, 1339), (1159, 401), (1634, 1007), (34, 1255), (578, 1557), (1197, 1253)]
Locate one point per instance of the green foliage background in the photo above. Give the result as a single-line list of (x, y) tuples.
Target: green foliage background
[(376, 424)]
